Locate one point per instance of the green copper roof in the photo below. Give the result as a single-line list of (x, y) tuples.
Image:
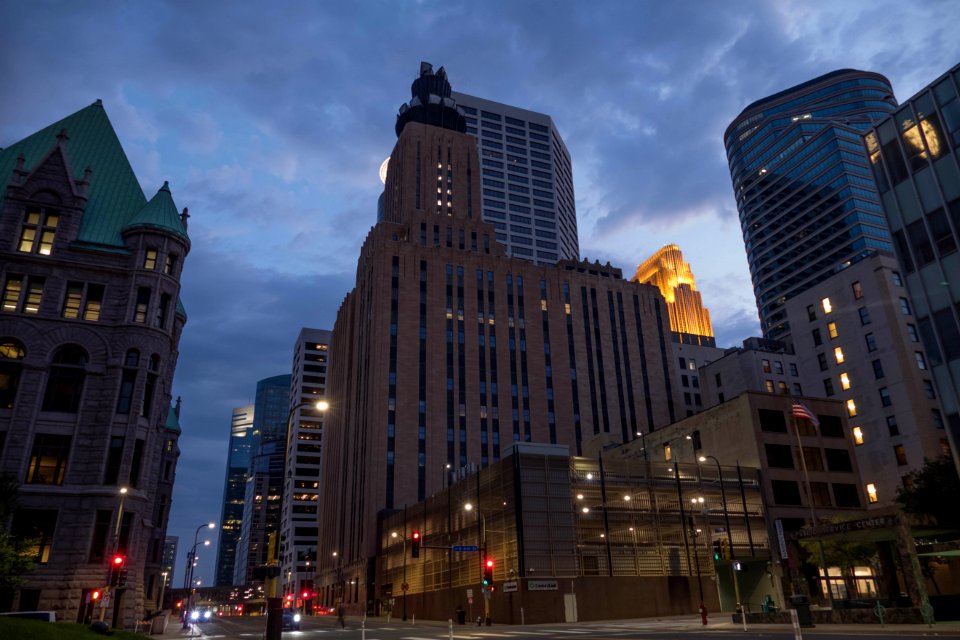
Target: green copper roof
[(114, 197), (160, 213), (173, 422)]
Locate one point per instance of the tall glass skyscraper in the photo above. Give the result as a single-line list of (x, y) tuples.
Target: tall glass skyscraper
[(805, 193), (238, 461)]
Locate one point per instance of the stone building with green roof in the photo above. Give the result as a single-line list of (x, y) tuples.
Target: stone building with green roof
[(90, 322)]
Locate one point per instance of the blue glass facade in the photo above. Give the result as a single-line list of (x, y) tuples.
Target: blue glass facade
[(805, 192)]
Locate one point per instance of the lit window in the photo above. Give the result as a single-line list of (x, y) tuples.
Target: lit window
[(838, 354), (832, 328), (857, 290), (769, 386), (872, 493), (543, 305), (827, 307), (921, 362), (150, 259), (844, 381), (857, 435), (766, 366), (566, 308), (37, 233), (667, 453), (900, 454), (851, 408)]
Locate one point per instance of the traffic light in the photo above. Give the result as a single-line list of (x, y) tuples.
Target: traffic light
[(488, 572), (415, 545), (725, 549), (717, 550), (305, 595), (95, 595), (116, 564), (122, 579)]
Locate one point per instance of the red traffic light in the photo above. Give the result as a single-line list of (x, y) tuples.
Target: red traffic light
[(489, 563), (305, 595), (95, 595), (118, 560), (416, 535)]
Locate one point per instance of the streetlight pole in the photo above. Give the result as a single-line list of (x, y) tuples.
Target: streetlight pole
[(116, 547), (163, 587), (726, 522), (188, 578), (482, 521)]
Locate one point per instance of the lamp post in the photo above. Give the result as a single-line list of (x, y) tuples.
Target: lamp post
[(163, 587), (726, 524), (403, 539), (698, 501), (188, 578), (482, 521), (105, 598)]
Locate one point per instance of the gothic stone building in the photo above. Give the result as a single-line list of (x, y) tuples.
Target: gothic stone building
[(90, 320)]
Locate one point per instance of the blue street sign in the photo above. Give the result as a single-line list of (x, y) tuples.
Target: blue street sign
[(465, 547)]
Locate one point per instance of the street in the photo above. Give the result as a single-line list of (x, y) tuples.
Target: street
[(323, 628)]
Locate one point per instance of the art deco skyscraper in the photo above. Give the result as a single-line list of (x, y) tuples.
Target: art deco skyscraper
[(806, 197), (671, 274)]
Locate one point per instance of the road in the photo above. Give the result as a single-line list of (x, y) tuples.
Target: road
[(326, 628)]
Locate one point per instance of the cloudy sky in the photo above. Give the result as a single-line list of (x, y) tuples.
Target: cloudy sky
[(270, 121)]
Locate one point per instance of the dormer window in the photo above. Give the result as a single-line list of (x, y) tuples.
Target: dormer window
[(39, 228), (150, 259)]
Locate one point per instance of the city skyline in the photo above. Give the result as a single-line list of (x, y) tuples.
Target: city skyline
[(267, 170)]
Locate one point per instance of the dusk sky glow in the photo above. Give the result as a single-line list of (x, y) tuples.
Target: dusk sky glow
[(271, 121)]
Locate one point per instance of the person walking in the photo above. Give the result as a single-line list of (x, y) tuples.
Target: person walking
[(343, 624)]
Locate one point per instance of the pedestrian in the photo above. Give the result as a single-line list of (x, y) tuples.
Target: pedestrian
[(340, 619)]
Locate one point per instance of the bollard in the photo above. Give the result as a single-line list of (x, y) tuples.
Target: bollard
[(450, 629), (363, 628), (521, 617), (413, 620)]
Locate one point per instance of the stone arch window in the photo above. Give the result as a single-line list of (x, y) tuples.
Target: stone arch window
[(128, 381), (65, 381), (38, 230), (11, 354)]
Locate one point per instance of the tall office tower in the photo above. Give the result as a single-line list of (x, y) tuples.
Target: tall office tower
[(447, 349), (298, 532), (270, 409), (261, 508), (169, 562), (806, 198), (234, 484), (667, 270), (914, 154), (857, 340), (90, 322), (527, 180)]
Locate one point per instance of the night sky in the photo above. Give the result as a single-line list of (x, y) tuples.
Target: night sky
[(270, 120)]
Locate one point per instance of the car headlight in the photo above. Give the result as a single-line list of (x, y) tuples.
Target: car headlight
[(195, 615), (296, 617), (206, 615)]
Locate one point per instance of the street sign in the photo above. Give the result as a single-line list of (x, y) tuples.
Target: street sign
[(470, 596), (465, 547), (404, 587), (509, 587)]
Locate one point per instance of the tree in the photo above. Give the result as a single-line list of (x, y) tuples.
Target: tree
[(933, 490), (16, 556)]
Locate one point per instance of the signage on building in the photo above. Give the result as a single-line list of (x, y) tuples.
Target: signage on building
[(833, 528), (509, 587), (781, 540), (542, 585)]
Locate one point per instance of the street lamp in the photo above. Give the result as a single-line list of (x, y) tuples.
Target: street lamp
[(116, 549), (403, 587), (163, 587), (482, 521), (191, 563), (726, 522)]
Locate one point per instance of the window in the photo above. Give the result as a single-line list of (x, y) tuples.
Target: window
[(37, 233), (786, 492), (22, 294), (769, 386), (857, 290), (128, 381), (143, 301), (83, 300), (782, 387), (98, 541), (797, 391), (832, 329), (872, 493), (48, 459), (667, 452), (827, 307), (838, 460), (11, 353), (904, 306), (831, 426), (36, 526), (111, 472), (885, 397), (828, 387), (877, 369), (928, 389), (820, 493), (844, 381), (938, 423), (170, 264), (136, 462), (778, 367), (817, 340), (822, 361), (897, 280), (811, 313), (900, 455), (871, 342), (851, 408), (921, 362), (838, 354), (717, 379), (857, 435), (779, 456), (150, 259), (65, 381), (846, 495), (772, 421), (864, 315), (163, 309), (892, 427), (912, 333), (793, 369)]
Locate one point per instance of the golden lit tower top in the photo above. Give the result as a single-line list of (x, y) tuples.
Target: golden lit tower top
[(667, 271)]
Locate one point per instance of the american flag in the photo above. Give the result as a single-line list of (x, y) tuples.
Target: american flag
[(800, 410)]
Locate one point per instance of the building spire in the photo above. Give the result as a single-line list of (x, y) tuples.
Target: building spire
[(431, 102)]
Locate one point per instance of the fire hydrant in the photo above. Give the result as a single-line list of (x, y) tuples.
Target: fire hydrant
[(703, 614)]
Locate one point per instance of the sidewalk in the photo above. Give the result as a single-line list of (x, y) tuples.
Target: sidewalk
[(722, 622)]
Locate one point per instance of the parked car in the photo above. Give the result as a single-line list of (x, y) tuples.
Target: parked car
[(291, 620)]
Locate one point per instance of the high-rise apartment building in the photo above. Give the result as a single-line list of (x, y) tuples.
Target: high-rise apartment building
[(238, 462), (914, 155), (447, 349), (527, 180), (90, 322), (802, 181), (301, 488)]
